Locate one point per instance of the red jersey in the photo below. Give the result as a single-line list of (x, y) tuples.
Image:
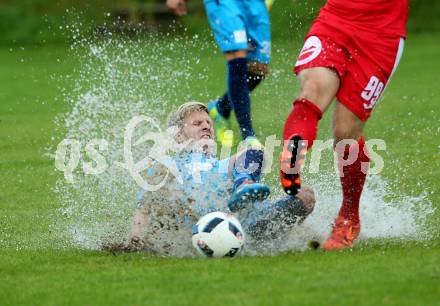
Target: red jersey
[(386, 17)]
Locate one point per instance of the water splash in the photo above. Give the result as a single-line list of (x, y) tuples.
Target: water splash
[(402, 217), (119, 79)]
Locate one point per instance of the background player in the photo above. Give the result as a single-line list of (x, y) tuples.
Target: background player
[(242, 31), (350, 53)]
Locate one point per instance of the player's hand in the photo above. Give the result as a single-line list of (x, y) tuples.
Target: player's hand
[(177, 7), (135, 244), (307, 195)]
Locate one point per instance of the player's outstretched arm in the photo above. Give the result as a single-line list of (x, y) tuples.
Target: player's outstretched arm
[(178, 7), (141, 220), (307, 196), (248, 156)]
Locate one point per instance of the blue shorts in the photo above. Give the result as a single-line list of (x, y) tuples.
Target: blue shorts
[(241, 24)]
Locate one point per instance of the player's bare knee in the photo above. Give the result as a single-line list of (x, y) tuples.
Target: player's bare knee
[(345, 131), (230, 55), (340, 132), (319, 85), (346, 127), (313, 84), (258, 69), (310, 90)]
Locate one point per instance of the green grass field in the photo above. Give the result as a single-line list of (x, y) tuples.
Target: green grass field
[(34, 270)]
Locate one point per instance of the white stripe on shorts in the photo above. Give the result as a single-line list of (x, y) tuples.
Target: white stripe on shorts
[(397, 61)]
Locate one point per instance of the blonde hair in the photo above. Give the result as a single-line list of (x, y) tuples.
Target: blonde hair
[(177, 117)]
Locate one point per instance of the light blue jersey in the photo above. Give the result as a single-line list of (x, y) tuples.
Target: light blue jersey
[(241, 24), (204, 178), (207, 186), (201, 168)]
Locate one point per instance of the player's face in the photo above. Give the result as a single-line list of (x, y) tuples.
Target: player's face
[(198, 126)]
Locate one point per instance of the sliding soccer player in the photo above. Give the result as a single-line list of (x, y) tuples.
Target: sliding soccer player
[(205, 187)]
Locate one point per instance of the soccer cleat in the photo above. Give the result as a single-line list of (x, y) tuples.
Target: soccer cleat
[(343, 235), (222, 126), (247, 192), (291, 160)]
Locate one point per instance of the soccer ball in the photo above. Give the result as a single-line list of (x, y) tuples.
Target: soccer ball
[(217, 235)]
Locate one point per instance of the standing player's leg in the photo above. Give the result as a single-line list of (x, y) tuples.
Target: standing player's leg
[(228, 24), (259, 43), (363, 85), (220, 110), (353, 164), (318, 89), (246, 22), (238, 90), (321, 67), (257, 72)]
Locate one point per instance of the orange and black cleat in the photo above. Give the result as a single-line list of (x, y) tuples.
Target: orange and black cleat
[(343, 235), (291, 160)]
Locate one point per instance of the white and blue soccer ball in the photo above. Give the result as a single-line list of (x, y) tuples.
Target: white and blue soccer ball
[(218, 235)]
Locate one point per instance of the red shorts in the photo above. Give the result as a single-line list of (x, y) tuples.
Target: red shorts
[(363, 61)]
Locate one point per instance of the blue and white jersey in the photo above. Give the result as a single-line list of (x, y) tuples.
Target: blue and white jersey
[(201, 168), (201, 185), (201, 177)]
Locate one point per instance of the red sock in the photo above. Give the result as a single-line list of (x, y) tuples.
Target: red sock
[(302, 121), (353, 181)]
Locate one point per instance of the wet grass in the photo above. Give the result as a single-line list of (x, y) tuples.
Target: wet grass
[(32, 271), (365, 276)]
